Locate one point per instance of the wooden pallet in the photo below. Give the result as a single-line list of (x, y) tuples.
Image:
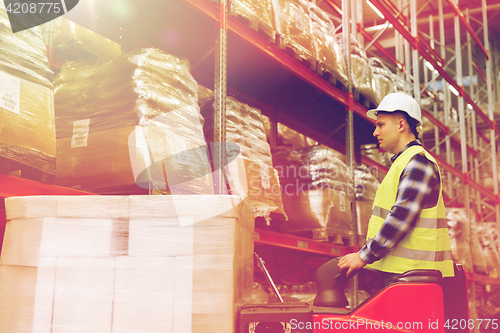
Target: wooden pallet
[(131, 189), (14, 168), (363, 99), (309, 63), (331, 76), (256, 25)]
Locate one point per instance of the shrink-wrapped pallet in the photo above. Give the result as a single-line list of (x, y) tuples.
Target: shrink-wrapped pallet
[(328, 52), (366, 186), (23, 54), (287, 136), (27, 131), (382, 79), (374, 153), (488, 238), (73, 41), (295, 29), (260, 14), (317, 191), (137, 120), (465, 246), (255, 178), (129, 264), (362, 77), (399, 83)]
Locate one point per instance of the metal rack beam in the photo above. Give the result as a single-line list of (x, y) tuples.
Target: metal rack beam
[(424, 49), (472, 33)]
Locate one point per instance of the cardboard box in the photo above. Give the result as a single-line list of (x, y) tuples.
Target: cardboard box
[(83, 295), (134, 156), (188, 271), (69, 39), (144, 294), (27, 129)]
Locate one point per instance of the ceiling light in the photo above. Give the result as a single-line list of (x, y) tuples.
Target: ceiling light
[(453, 90)]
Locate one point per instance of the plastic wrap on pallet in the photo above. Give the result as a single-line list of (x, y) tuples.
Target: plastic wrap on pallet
[(27, 129), (129, 264), (294, 26), (259, 295), (125, 91), (317, 190), (256, 180), (366, 186), (458, 227), (465, 245), (23, 54), (362, 77), (488, 238), (168, 159), (328, 52), (296, 293), (131, 121), (287, 136), (399, 83), (73, 41), (374, 153), (259, 13), (383, 83)]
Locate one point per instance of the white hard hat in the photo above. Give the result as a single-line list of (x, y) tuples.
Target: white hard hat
[(398, 102)]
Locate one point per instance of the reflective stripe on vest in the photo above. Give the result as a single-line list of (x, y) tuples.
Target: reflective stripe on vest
[(422, 222), (403, 252), (427, 245)]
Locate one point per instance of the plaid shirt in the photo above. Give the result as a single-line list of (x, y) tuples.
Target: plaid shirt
[(418, 189)]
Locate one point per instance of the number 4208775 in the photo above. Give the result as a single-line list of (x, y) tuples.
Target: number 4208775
[(455, 324), (40, 7)]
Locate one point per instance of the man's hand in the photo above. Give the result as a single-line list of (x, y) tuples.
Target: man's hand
[(352, 262)]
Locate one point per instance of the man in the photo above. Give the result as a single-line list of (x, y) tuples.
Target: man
[(407, 229)]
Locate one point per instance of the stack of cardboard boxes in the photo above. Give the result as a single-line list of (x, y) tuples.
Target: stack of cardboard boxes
[(128, 264)]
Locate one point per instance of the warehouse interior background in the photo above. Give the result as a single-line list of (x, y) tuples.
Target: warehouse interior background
[(109, 73)]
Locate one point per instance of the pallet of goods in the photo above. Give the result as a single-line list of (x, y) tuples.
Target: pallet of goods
[(129, 264)]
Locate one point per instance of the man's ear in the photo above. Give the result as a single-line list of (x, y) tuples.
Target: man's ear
[(402, 124)]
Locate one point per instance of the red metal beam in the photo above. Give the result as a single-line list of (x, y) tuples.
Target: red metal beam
[(334, 6), (481, 134), (446, 130), (372, 163), (479, 71), (279, 56), (420, 39), (293, 66), (467, 26), (435, 121), (14, 186), (413, 42), (461, 176), (293, 242)]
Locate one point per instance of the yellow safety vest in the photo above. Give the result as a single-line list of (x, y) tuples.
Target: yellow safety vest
[(427, 246)]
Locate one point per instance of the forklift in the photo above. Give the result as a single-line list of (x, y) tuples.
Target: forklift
[(416, 301)]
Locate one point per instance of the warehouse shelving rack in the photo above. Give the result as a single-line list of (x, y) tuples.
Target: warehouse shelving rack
[(465, 145), (474, 124), (473, 146)]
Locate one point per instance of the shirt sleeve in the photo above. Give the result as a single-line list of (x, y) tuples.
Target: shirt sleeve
[(416, 183)]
